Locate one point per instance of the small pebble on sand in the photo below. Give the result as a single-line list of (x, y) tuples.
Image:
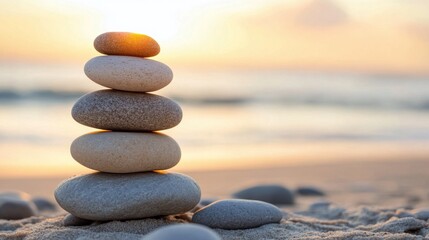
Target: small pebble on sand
[(237, 214), (14, 208), (44, 204), (274, 194), (183, 232), (70, 220), (309, 191)]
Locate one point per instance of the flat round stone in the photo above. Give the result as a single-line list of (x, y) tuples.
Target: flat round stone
[(274, 194), (125, 152), (128, 73), (183, 232), (309, 191), (422, 214), (12, 208), (44, 204), (70, 220), (126, 111), (108, 196), (126, 43), (237, 214)]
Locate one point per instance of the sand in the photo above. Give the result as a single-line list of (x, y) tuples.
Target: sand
[(332, 223), (371, 200)]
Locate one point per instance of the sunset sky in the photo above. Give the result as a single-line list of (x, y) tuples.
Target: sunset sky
[(254, 77), (390, 36)]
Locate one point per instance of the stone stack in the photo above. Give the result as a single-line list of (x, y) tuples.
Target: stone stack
[(127, 154)]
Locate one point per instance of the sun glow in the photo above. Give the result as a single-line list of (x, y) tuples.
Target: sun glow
[(161, 20), (162, 28), (228, 33)]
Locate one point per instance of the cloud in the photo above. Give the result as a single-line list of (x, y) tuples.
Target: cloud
[(321, 13), (306, 15)]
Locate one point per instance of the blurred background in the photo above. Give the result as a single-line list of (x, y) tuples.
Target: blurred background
[(262, 83)]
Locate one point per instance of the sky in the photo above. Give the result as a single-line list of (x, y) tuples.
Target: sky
[(387, 37), (44, 44)]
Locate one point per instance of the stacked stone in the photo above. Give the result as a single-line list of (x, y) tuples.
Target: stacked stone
[(127, 154)]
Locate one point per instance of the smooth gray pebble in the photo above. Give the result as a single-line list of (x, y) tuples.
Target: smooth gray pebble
[(183, 232), (14, 208), (70, 220), (43, 204), (237, 214), (309, 191), (274, 194), (422, 214)]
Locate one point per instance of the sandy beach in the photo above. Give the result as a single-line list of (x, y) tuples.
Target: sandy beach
[(214, 119), (371, 200)]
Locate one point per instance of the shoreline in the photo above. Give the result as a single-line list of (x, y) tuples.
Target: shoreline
[(59, 163), (338, 179)]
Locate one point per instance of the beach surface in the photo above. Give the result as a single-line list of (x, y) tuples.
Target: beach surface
[(363, 200)]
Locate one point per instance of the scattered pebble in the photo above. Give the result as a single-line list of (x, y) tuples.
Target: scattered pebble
[(70, 220), (44, 204), (13, 208), (324, 210), (309, 191), (237, 214), (422, 214), (320, 205), (401, 213), (183, 232), (400, 225), (274, 194)]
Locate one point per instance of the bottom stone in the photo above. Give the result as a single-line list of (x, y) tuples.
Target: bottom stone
[(106, 196)]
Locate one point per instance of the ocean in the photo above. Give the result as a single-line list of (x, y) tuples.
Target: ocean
[(232, 118)]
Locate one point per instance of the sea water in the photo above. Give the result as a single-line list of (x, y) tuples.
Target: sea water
[(242, 118)]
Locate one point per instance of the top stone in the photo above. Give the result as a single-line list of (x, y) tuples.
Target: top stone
[(125, 43)]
